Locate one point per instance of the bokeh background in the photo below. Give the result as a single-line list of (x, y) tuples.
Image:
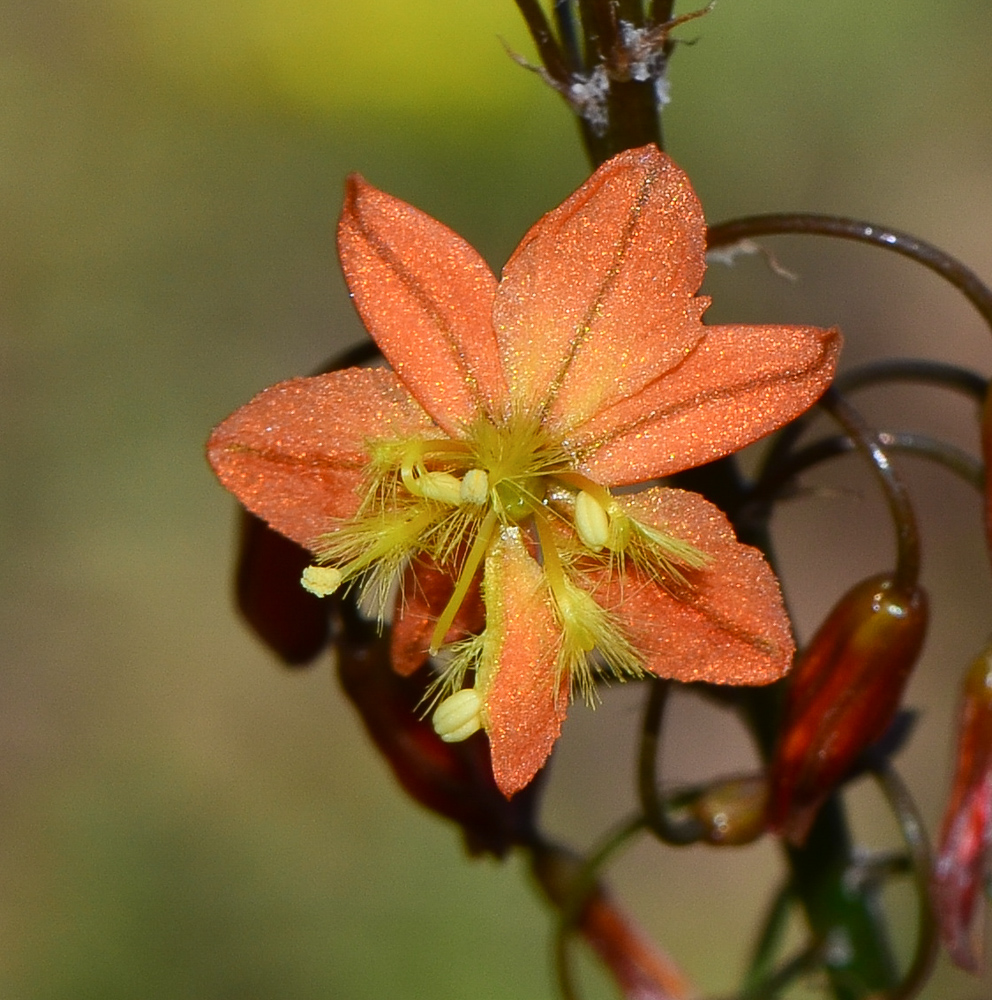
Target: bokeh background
[(180, 819)]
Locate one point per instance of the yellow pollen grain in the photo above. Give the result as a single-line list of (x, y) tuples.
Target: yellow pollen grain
[(321, 581), (474, 487)]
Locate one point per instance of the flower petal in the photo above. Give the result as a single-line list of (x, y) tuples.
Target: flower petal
[(426, 297), (741, 383), (297, 453), (598, 299), (729, 626), (525, 703)]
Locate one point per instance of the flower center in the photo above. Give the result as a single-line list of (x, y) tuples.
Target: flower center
[(450, 499)]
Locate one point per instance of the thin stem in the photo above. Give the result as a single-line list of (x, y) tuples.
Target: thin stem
[(931, 373), (580, 890), (544, 40), (907, 536), (949, 268), (565, 22), (768, 940), (656, 815), (805, 960), (661, 11), (914, 833), (952, 458)]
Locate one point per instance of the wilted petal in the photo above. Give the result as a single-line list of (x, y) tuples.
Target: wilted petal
[(525, 698), (598, 299), (426, 297), (296, 454), (739, 384), (727, 626)]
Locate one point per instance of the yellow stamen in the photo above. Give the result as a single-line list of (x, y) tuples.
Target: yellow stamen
[(440, 486), (321, 581), (471, 564), (474, 487), (458, 716), (592, 522)]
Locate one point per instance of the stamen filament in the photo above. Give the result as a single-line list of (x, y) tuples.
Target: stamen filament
[(553, 569), (580, 482), (471, 564), (385, 542)]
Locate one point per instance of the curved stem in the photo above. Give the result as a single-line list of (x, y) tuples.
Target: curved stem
[(952, 458), (866, 441), (914, 833), (933, 258), (656, 815), (939, 373), (933, 373)]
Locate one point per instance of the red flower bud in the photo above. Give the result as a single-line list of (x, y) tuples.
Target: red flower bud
[(987, 457), (966, 837), (291, 622), (731, 812), (454, 780), (844, 692)]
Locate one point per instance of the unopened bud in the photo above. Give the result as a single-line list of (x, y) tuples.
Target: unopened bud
[(844, 692), (987, 456), (966, 837), (732, 812)]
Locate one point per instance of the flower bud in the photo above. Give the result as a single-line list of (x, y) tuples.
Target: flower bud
[(844, 692), (966, 837), (732, 812), (454, 780), (291, 622), (987, 457)]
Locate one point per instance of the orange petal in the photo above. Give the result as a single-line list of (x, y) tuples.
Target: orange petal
[(297, 453), (426, 591), (598, 299), (741, 383), (729, 626), (524, 703), (426, 297)]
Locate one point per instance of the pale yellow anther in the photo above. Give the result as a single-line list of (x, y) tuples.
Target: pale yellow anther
[(440, 486), (578, 614), (592, 522), (321, 581), (475, 486), (458, 716)]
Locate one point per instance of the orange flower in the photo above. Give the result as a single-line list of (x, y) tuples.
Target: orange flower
[(474, 477)]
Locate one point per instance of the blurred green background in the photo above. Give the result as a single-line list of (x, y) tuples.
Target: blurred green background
[(179, 818)]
